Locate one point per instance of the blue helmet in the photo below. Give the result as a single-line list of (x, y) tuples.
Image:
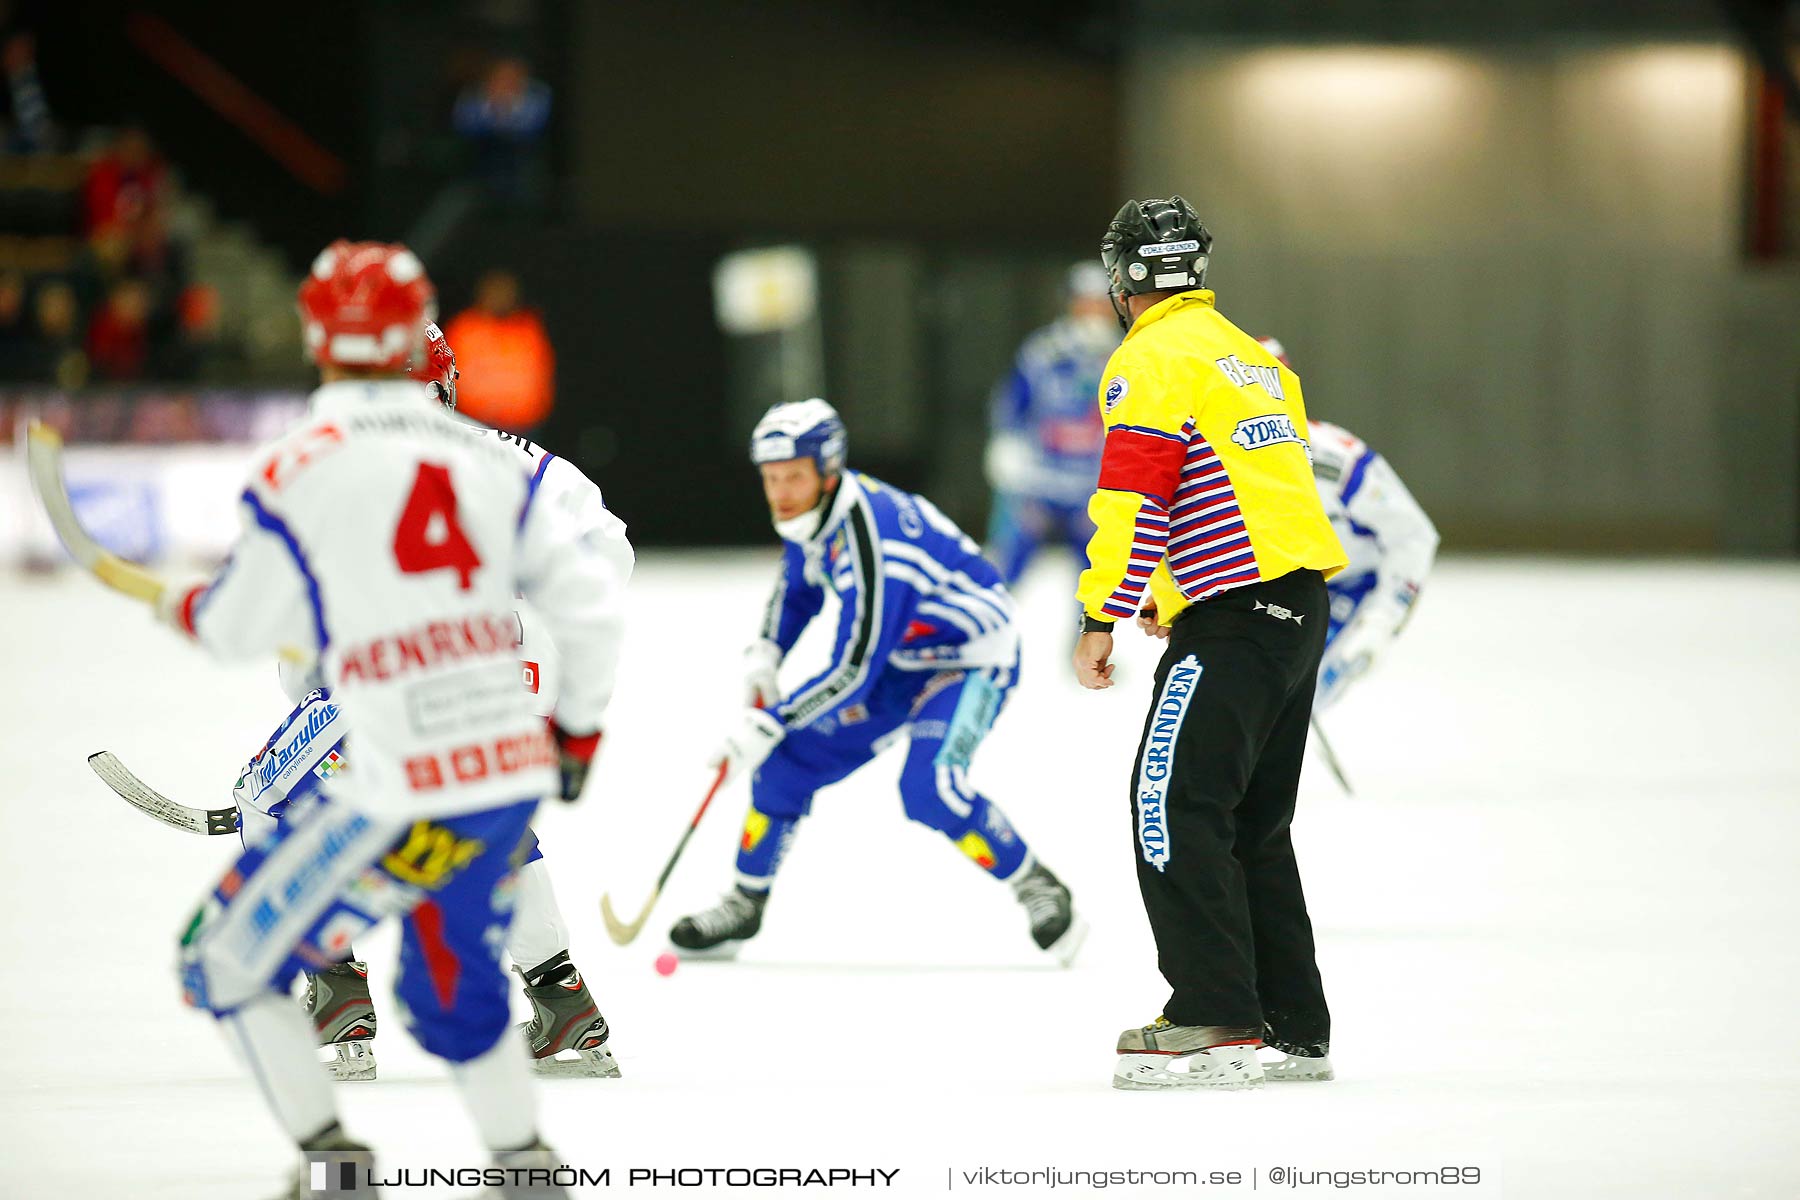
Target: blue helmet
[(801, 429)]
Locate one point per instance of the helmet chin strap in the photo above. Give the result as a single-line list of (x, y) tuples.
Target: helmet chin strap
[(806, 526), (1121, 311), (800, 528)]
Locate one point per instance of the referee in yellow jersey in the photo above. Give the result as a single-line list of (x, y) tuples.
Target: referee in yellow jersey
[(1206, 501)]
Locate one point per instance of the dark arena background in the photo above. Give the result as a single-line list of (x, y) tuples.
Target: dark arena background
[(1544, 257)]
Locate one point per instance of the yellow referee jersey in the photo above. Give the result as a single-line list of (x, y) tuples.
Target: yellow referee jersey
[(1206, 480)]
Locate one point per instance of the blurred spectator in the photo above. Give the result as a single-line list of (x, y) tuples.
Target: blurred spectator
[(132, 274), (15, 329), (32, 130), (125, 186), (503, 118), (508, 367), (104, 260), (54, 354), (136, 249), (118, 338), (195, 337)]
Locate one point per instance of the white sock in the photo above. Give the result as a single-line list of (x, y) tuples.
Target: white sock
[(538, 933), (276, 1040), (1023, 871), (496, 1089)]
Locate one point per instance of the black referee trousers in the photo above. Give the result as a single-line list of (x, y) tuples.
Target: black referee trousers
[(1212, 798)]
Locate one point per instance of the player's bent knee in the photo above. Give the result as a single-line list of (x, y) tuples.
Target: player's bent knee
[(772, 794), (923, 796)]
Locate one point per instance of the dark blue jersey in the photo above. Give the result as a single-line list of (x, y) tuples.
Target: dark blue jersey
[(914, 591)]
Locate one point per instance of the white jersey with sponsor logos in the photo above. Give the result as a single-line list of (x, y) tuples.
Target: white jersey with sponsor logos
[(383, 539), (1383, 530), (562, 485)]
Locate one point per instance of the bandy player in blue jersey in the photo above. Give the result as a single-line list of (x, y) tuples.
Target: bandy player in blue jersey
[(1043, 453), (926, 649)]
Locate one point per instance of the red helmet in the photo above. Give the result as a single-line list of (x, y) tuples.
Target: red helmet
[(364, 304), (1274, 346), (439, 368)]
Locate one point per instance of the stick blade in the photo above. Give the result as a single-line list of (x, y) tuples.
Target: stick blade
[(146, 799), (43, 462), (621, 933)]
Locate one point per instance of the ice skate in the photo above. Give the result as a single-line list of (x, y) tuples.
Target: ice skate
[(567, 1034), (536, 1156), (329, 1158), (1292, 1062), (1162, 1055), (343, 1017), (722, 930), (1054, 926)]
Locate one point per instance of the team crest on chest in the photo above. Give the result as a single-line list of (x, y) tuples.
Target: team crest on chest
[(1116, 387)]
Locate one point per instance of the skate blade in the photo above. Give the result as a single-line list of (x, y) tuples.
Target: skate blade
[(1065, 948), (351, 1062), (1291, 1068), (597, 1063), (1227, 1068), (723, 952)]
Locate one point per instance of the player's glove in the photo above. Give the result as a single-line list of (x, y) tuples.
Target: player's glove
[(1008, 462), (762, 661), (175, 605), (574, 753), (745, 748)]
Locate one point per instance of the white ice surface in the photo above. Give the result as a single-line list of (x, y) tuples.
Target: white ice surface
[(1556, 923)]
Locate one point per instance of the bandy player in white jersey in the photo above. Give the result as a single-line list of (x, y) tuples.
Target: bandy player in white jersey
[(1390, 542), (567, 1035), (383, 541)]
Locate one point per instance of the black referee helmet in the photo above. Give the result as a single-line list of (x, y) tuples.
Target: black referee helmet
[(1154, 246)]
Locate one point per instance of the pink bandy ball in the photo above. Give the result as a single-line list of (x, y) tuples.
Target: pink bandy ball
[(665, 963)]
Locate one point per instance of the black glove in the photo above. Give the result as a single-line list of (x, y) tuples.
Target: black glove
[(574, 752)]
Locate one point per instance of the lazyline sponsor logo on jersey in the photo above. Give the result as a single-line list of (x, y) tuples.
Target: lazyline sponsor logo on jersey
[(277, 758), (1256, 433), (336, 835), (1159, 760)]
